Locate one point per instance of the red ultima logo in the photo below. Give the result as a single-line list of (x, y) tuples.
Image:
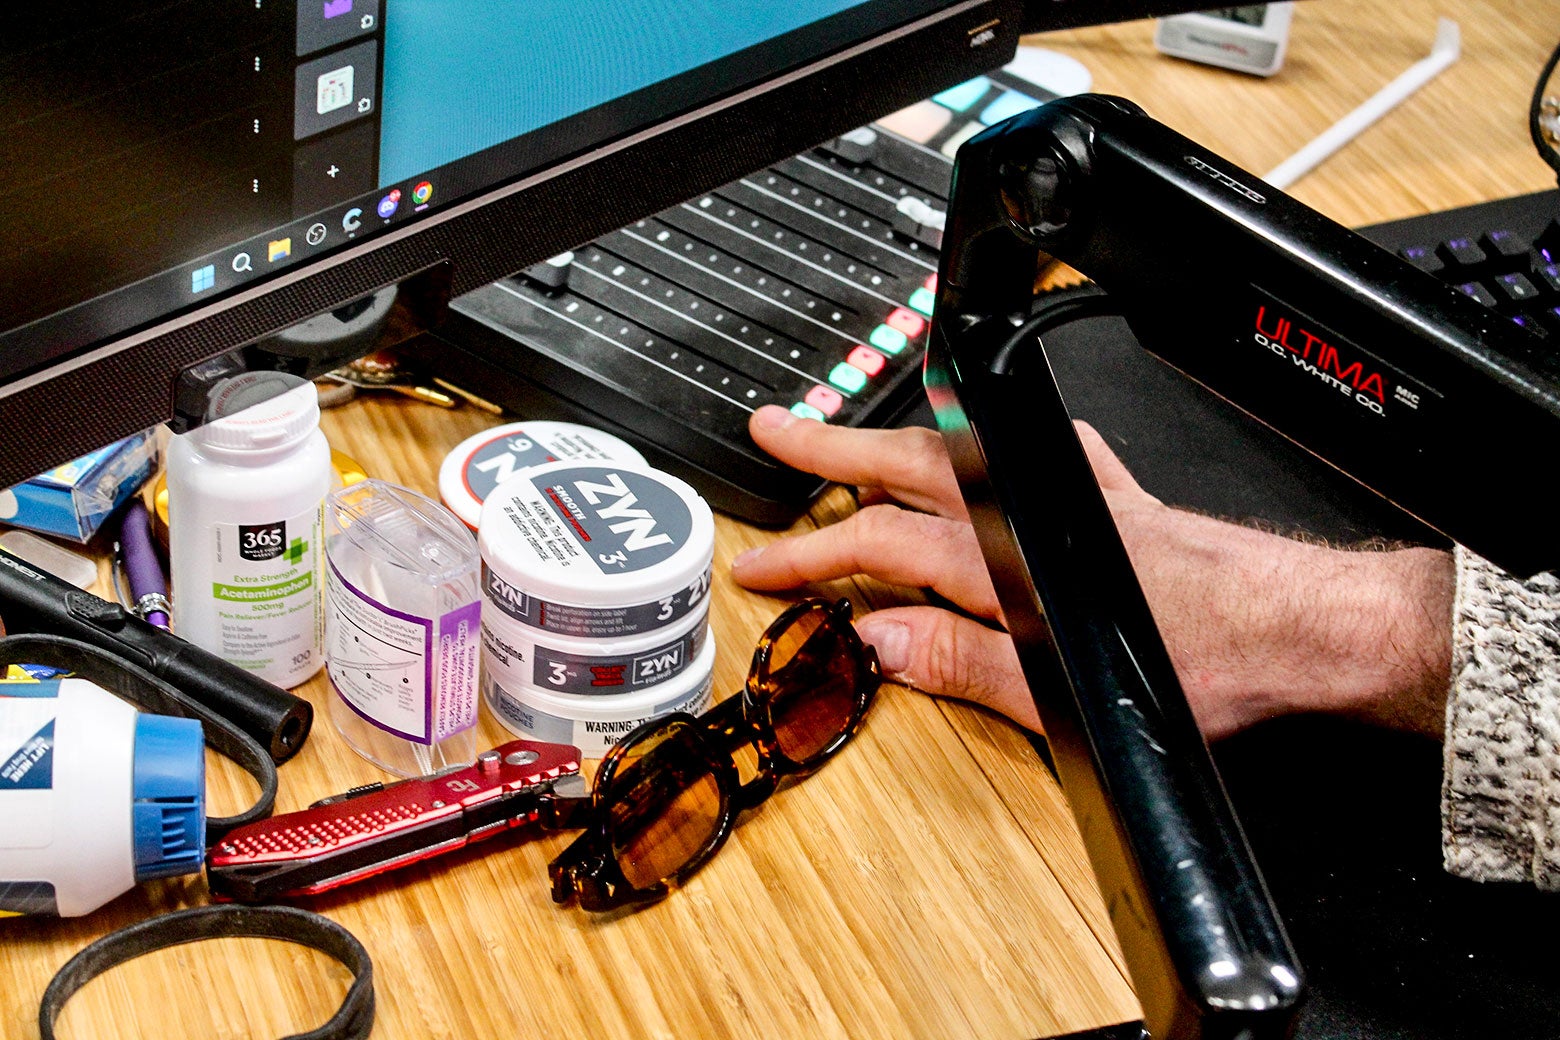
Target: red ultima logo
[(1313, 353)]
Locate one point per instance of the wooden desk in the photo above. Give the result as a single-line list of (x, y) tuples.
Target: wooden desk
[(928, 882)]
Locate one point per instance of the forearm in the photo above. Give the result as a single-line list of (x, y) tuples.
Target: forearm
[(1259, 625), (1415, 639)]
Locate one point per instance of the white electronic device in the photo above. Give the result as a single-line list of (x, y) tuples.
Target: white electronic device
[(1250, 38), (95, 796)]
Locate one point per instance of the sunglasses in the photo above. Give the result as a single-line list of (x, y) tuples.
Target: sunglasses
[(667, 795)]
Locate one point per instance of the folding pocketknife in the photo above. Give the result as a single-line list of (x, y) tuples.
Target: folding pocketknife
[(379, 827)]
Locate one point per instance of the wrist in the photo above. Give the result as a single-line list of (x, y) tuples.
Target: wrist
[(1284, 627), (1382, 626)]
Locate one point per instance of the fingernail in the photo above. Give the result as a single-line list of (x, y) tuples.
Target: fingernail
[(891, 639), (773, 417), (746, 556)]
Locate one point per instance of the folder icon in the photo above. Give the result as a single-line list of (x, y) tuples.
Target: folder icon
[(279, 250)]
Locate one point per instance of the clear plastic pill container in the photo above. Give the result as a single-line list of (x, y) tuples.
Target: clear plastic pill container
[(402, 628)]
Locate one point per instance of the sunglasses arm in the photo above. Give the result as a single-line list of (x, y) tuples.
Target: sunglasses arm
[(567, 800), (1206, 949), (585, 870)]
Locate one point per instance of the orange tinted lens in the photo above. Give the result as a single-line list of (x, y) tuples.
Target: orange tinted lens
[(812, 686), (791, 641), (665, 807), (670, 841)]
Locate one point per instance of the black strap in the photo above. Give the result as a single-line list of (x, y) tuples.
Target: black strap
[(146, 691), (352, 1021)]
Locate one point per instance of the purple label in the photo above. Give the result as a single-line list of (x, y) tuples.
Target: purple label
[(399, 671), (459, 652)]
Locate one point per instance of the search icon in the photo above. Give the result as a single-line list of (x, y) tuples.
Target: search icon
[(241, 263)]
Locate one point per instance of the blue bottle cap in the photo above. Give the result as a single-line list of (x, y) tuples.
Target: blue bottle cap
[(169, 791)]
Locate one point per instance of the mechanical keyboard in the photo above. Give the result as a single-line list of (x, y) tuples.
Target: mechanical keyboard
[(1505, 254), (808, 285)]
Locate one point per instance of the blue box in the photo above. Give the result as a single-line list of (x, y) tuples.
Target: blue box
[(73, 500)]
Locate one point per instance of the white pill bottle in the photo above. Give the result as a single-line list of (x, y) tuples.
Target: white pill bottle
[(246, 493)]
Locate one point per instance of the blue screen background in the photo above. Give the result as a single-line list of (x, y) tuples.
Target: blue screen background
[(460, 77)]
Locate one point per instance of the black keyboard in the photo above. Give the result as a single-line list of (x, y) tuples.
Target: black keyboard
[(808, 285), (1505, 254)]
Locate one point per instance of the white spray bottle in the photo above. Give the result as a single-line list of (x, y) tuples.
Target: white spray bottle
[(94, 797)]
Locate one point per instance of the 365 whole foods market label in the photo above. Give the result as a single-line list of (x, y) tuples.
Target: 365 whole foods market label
[(266, 593)]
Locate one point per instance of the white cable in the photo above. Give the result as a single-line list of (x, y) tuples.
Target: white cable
[(1447, 46)]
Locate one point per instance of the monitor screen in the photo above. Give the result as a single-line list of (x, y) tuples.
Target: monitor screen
[(183, 178), (158, 158)]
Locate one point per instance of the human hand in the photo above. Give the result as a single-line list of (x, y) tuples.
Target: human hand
[(929, 545), (1256, 624)]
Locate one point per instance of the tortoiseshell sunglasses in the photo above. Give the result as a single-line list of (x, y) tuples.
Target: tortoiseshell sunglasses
[(667, 795)]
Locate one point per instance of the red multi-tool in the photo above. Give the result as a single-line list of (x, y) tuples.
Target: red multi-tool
[(378, 827)]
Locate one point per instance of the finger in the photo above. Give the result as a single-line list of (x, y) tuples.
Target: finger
[(942, 653), (910, 464), (884, 542), (1108, 469)]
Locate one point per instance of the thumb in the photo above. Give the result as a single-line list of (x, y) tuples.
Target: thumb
[(942, 653)]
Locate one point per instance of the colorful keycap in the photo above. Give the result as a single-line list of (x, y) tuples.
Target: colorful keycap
[(1011, 103), (906, 321), (866, 359), (848, 378), (825, 400), (961, 97), (889, 340)]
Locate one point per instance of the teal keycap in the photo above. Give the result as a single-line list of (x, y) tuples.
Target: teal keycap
[(848, 378), (1011, 103), (964, 95), (889, 340)]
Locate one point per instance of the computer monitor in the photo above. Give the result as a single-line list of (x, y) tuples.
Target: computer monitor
[(183, 181)]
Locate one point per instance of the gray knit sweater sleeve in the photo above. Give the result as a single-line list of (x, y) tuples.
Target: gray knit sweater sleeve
[(1500, 794)]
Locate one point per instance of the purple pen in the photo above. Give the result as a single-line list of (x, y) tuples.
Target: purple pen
[(148, 587)]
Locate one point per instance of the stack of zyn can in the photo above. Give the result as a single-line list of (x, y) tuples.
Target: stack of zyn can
[(595, 579)]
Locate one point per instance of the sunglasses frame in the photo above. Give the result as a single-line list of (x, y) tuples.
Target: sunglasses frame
[(589, 869)]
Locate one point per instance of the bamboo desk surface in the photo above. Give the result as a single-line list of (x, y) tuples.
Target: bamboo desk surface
[(929, 882)]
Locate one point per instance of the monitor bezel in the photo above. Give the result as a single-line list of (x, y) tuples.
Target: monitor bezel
[(127, 384)]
